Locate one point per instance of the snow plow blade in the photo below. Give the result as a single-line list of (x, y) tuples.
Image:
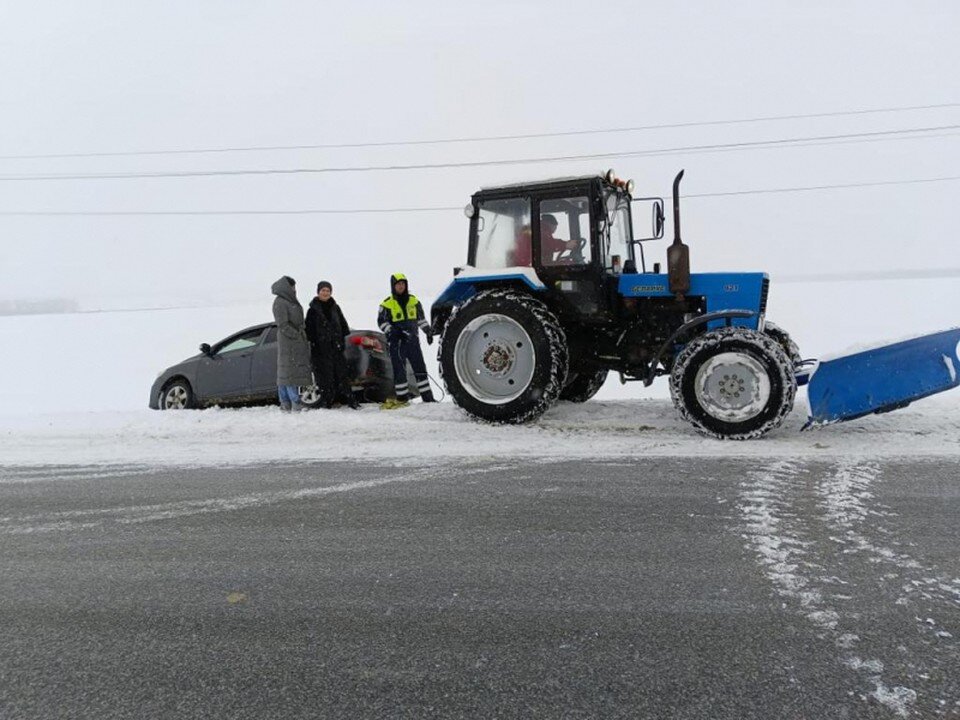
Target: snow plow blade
[(884, 378)]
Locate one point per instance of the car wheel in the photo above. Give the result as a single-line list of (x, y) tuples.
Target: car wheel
[(176, 395), (310, 396)]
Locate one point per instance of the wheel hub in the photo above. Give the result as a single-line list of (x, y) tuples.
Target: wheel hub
[(732, 386), (494, 358), (498, 357), (175, 398)]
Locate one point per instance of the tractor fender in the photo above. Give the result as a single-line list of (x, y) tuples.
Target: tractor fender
[(728, 315), (469, 281)]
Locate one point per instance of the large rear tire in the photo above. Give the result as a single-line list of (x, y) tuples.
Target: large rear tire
[(733, 384), (584, 386), (503, 356)]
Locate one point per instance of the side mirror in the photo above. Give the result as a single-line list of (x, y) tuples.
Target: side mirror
[(653, 206), (205, 349)]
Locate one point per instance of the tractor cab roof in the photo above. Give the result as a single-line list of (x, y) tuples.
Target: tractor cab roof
[(539, 186)]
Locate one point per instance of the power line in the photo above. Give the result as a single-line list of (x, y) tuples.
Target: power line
[(124, 213), (810, 188), (476, 139), (783, 142), (446, 208)]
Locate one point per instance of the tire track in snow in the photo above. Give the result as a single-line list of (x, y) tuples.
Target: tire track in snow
[(779, 532), (854, 522)]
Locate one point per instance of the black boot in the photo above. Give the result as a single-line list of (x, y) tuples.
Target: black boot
[(427, 396)]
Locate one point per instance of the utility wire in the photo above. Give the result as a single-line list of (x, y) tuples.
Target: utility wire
[(486, 138), (783, 142), (364, 211)]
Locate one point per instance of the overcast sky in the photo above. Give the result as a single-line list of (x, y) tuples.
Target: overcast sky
[(111, 77)]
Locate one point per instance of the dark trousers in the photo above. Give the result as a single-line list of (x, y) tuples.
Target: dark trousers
[(330, 375), (405, 349)]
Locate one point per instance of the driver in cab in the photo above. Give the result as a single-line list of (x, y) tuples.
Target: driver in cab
[(552, 247)]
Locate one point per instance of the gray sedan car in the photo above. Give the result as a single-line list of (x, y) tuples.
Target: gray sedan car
[(242, 370)]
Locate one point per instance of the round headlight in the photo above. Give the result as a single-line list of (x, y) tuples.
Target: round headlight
[(611, 176), (630, 186), (469, 210)]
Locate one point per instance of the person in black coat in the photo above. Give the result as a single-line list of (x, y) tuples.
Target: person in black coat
[(327, 330)]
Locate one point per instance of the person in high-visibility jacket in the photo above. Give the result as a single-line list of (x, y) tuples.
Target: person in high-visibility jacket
[(401, 318)]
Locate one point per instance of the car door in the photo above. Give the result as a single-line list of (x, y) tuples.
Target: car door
[(225, 373), (263, 365)]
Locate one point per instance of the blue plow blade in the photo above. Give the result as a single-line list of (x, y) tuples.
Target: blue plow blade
[(884, 379)]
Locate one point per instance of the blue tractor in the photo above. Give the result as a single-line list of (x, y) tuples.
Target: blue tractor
[(556, 294)]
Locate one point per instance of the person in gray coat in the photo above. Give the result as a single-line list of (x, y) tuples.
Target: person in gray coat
[(293, 348)]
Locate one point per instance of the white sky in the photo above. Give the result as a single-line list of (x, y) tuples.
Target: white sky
[(135, 75)]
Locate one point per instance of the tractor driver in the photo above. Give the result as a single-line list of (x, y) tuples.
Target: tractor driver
[(551, 248)]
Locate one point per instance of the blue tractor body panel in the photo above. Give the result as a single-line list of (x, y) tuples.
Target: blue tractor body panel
[(884, 378), (465, 286), (721, 291)]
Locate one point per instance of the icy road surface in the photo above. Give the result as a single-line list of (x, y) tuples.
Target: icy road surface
[(707, 588)]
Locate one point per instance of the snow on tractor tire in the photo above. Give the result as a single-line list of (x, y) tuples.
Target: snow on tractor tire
[(733, 383), (503, 356)]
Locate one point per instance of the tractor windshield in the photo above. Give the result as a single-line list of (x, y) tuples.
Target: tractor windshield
[(502, 234)]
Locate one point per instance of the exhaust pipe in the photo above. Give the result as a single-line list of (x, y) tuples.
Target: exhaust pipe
[(678, 254)]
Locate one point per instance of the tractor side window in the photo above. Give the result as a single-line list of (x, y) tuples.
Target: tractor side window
[(503, 234), (565, 231), (619, 243)]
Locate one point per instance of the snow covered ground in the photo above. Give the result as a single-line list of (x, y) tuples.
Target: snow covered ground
[(73, 389), (593, 430)]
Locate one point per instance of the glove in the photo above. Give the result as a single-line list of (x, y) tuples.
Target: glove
[(429, 334)]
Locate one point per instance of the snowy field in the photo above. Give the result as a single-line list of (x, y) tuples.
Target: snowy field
[(74, 387)]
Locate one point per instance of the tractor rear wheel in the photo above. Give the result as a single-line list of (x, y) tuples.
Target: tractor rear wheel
[(584, 386), (503, 356), (733, 383)]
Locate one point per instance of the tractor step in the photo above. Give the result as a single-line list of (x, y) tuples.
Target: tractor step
[(884, 378)]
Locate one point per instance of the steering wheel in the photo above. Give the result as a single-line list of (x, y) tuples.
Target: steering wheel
[(576, 254)]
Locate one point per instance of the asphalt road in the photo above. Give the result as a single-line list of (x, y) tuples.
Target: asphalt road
[(665, 588)]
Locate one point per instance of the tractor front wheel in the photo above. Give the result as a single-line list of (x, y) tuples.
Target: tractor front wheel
[(503, 356), (733, 383)]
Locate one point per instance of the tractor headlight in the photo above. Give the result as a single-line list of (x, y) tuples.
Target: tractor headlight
[(469, 210), (630, 186), (611, 176)]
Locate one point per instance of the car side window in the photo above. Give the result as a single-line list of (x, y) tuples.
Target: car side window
[(271, 335), (241, 342)]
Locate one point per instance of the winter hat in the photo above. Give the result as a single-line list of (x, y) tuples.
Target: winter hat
[(324, 284)]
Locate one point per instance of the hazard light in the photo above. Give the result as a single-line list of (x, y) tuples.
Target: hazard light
[(365, 341)]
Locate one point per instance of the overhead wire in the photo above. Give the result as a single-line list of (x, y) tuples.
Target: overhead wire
[(482, 138), (444, 208), (782, 142)]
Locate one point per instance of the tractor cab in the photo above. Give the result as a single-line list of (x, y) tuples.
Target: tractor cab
[(575, 234)]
